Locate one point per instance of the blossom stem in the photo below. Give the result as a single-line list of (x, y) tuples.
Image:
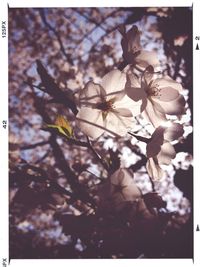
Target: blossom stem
[(99, 126), (137, 68), (152, 184), (99, 178), (97, 156), (140, 138)]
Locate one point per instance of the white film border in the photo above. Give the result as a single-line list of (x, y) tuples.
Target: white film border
[(4, 235)]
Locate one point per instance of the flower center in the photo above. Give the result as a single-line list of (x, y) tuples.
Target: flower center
[(105, 106), (154, 90)]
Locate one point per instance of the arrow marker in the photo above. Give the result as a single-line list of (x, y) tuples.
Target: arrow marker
[(197, 47), (197, 228)]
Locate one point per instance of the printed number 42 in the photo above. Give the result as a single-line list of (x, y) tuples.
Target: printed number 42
[(4, 122)]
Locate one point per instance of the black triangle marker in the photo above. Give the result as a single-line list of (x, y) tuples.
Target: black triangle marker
[(197, 228), (197, 47)]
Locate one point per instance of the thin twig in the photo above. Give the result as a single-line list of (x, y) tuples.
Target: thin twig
[(93, 174), (140, 138), (48, 25), (32, 146), (75, 142), (97, 156), (99, 126), (43, 157), (152, 184)]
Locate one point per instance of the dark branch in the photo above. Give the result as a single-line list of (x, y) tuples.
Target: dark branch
[(53, 90), (48, 25), (78, 189), (43, 157), (97, 156), (32, 146), (140, 138)]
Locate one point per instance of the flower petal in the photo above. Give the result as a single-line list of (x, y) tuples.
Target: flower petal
[(154, 146), (153, 149), (133, 81), (127, 179), (158, 135), (131, 192), (153, 115), (118, 124), (173, 132), (134, 90), (166, 94), (124, 112), (168, 82), (121, 177), (166, 88), (133, 39), (166, 154), (114, 83), (174, 107), (91, 94), (117, 177), (130, 43), (87, 119), (146, 58), (127, 103), (153, 169)]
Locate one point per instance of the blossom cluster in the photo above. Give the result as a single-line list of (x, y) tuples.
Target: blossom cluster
[(139, 89)]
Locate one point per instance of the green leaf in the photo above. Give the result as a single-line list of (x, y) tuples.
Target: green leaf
[(63, 126)]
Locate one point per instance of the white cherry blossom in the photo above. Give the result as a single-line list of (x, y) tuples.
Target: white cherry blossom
[(133, 52), (106, 107), (123, 187), (159, 96), (118, 190), (160, 151)]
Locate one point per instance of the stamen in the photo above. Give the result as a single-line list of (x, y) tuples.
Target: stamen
[(154, 91), (105, 106)]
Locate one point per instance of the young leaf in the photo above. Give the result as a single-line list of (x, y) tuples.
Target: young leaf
[(63, 126)]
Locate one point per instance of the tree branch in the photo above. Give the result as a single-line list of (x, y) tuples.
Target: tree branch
[(48, 25), (32, 146), (140, 138), (43, 157), (78, 189), (53, 90), (97, 156)]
